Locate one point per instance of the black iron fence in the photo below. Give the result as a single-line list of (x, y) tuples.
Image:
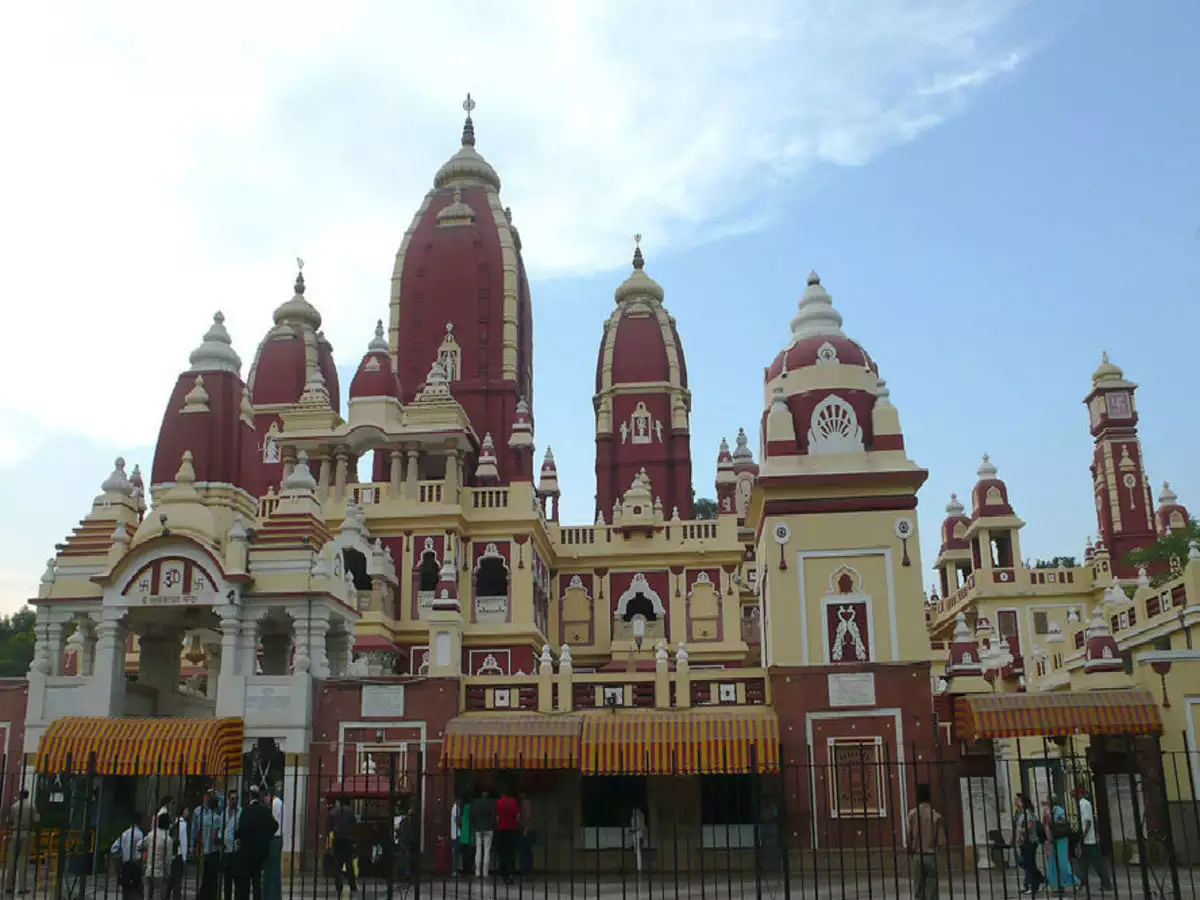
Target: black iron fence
[(853, 819)]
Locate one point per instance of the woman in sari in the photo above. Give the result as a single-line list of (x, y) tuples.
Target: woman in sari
[(1059, 874)]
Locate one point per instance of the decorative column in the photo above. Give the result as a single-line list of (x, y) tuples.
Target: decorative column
[(450, 482), (323, 480), (249, 649), (683, 677), (337, 647), (212, 670), (566, 689), (231, 627), (318, 633), (339, 476), (662, 677), (410, 473), (546, 681), (301, 661), (87, 646), (108, 680), (395, 473)]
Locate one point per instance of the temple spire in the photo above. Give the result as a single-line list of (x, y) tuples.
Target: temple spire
[(468, 135)]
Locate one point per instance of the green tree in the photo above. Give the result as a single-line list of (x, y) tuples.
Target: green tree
[(1057, 562), (16, 643), (704, 508), (1169, 554)]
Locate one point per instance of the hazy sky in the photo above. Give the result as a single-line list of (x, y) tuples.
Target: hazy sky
[(993, 192)]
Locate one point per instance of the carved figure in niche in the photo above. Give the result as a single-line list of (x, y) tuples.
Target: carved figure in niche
[(744, 487), (270, 450), (658, 430), (640, 424), (847, 630), (624, 432), (490, 666), (726, 505)]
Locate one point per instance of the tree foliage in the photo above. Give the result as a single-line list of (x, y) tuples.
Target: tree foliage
[(1057, 562), (704, 508), (16, 643), (1168, 555)]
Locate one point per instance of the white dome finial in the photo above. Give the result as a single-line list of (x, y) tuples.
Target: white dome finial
[(215, 353), (379, 342), (816, 314), (986, 468)]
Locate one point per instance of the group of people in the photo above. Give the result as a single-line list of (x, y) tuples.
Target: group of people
[(235, 841), (485, 824), (1044, 842)]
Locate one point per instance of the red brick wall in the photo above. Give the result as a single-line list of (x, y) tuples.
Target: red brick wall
[(14, 693)]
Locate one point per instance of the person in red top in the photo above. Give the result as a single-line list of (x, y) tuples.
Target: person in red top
[(508, 817)]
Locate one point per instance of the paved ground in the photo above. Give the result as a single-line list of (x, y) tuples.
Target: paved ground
[(885, 885)]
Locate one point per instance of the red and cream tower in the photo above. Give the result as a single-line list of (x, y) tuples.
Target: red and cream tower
[(460, 295), (1124, 509), (642, 400)]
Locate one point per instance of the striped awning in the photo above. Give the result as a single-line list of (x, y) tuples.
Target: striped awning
[(707, 742), (141, 746), (1056, 713), (511, 742)]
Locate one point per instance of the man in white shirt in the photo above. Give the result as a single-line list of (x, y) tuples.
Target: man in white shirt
[(128, 849), (180, 841), (1090, 856)]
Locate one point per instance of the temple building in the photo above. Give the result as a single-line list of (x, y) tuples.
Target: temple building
[(269, 599)]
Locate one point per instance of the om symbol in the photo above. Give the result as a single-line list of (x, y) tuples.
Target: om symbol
[(172, 577)]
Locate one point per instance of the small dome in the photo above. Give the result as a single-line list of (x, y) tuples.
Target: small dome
[(816, 314), (954, 526), (1171, 515), (375, 376), (989, 497), (298, 309), (638, 284), (467, 166), (817, 336), (216, 353), (1107, 371)]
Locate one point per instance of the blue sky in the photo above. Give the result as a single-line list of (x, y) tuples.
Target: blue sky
[(993, 192)]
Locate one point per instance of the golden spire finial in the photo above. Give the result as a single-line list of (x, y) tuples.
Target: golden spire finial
[(638, 260)]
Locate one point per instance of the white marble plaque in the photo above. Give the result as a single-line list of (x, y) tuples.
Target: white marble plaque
[(263, 698), (383, 701), (852, 689)]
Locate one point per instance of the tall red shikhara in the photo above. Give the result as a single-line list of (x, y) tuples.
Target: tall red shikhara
[(1124, 509), (460, 295), (642, 400)]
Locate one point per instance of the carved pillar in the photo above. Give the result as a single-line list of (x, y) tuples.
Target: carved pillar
[(339, 476), (212, 670), (337, 648), (410, 474), (318, 631), (108, 680), (323, 479), (87, 647), (231, 639), (301, 659), (249, 648), (395, 473), (450, 483)]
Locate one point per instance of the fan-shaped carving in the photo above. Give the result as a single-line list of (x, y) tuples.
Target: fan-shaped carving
[(834, 428)]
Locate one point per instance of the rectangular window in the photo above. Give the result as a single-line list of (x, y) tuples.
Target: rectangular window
[(1041, 622), (606, 807)]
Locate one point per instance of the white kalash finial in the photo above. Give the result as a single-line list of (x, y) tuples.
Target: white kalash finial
[(379, 342), (681, 654), (51, 573), (564, 656), (547, 658), (1143, 577), (986, 468), (301, 477), (660, 652), (215, 353), (816, 314), (117, 482), (955, 507), (1194, 550)]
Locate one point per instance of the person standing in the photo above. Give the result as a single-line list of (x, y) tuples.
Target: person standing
[(23, 819), (273, 868), (128, 849), (341, 824), (508, 820), (528, 835), (637, 834), (926, 829), (208, 841), (483, 820), (466, 837), (159, 854), (255, 830), (231, 864), (456, 815), (179, 834), (1059, 874), (1090, 855), (1027, 840)]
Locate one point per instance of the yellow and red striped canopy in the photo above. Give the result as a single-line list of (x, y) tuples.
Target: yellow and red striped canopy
[(511, 742), (141, 746), (1056, 713), (705, 742)]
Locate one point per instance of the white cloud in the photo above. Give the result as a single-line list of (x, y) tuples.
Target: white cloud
[(159, 164)]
